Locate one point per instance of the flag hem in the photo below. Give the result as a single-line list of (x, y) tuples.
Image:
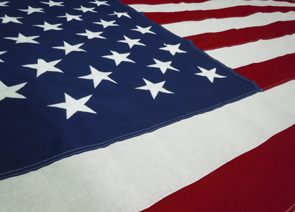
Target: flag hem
[(79, 150)]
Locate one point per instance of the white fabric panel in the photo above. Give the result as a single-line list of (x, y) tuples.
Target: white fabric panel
[(208, 5), (242, 55), (133, 174), (189, 28)]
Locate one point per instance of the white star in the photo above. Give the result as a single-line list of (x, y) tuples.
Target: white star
[(86, 9), (46, 26), (173, 49), (163, 66), (7, 19), (71, 17), (2, 53), (42, 66), (31, 10), (69, 48), (97, 76), (210, 74), (91, 35), (53, 3), (106, 24), (119, 15), (131, 42), (154, 88), (72, 105), (118, 58), (99, 3), (143, 30), (23, 39), (10, 92), (3, 4)]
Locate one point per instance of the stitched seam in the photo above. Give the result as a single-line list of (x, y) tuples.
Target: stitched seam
[(120, 138)]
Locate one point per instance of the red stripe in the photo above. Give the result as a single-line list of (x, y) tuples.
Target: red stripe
[(239, 11), (258, 181), (270, 73), (173, 1), (290, 1), (234, 37), (154, 2)]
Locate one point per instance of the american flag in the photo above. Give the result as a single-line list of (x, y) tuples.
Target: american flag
[(58, 42)]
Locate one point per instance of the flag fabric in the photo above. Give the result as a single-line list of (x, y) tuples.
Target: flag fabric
[(106, 75), (90, 74)]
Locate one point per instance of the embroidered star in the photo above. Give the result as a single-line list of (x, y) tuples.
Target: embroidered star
[(91, 35), (46, 26), (98, 76), (42, 66), (131, 42), (23, 39), (154, 88), (31, 10), (72, 105), (3, 4), (2, 53), (119, 15), (163, 66), (86, 9), (99, 3), (69, 48), (71, 17), (173, 49), (143, 30), (210, 74), (10, 91), (118, 58), (6, 19), (106, 24), (53, 3)]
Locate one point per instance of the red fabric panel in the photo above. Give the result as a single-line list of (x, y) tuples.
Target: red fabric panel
[(159, 2), (240, 11), (266, 74), (234, 37), (171, 1)]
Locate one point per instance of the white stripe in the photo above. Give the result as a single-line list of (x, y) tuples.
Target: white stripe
[(208, 5), (135, 173), (254, 52), (188, 28)]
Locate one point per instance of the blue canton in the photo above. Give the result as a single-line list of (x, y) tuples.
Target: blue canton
[(80, 75)]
